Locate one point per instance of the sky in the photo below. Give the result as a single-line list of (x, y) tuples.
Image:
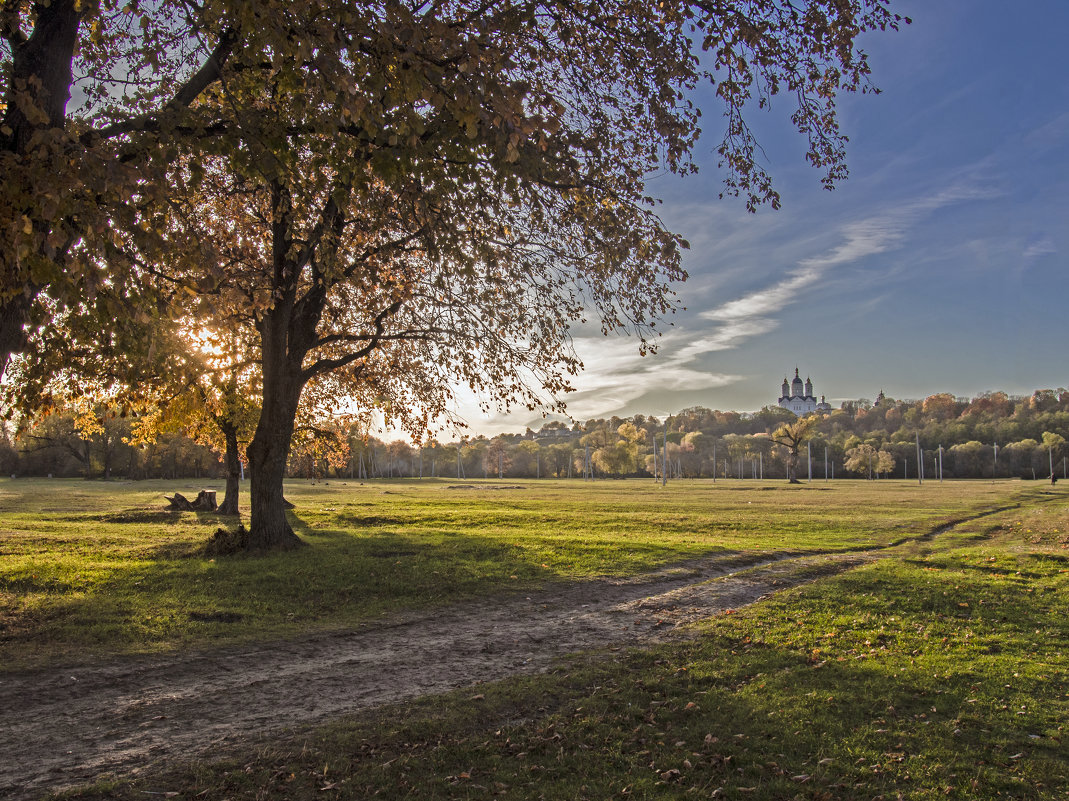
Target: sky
[(938, 266)]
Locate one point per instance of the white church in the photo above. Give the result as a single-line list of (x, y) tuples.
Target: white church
[(799, 398)]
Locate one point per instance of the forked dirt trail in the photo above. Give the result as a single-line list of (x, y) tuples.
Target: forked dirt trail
[(67, 727)]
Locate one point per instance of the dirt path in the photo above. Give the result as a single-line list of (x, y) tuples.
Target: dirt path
[(61, 728), (72, 726)]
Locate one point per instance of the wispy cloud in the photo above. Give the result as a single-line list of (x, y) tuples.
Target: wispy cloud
[(766, 301), (725, 337), (615, 371), (753, 314), (1044, 247), (615, 376)]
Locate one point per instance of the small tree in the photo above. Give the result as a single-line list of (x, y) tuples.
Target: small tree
[(864, 458), (792, 436)]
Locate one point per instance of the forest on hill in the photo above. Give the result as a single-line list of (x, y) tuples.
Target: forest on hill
[(991, 435)]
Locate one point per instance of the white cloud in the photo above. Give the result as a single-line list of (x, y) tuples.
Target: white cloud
[(614, 367), (752, 315), (765, 301), (615, 375), (1044, 247), (725, 337)]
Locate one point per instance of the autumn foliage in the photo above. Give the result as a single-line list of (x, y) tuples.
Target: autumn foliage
[(395, 198)]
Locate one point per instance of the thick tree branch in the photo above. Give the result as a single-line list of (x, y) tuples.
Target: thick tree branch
[(328, 365), (209, 72)]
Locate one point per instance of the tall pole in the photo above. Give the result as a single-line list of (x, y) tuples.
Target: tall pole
[(920, 467), (940, 462), (994, 464), (761, 461), (664, 458)]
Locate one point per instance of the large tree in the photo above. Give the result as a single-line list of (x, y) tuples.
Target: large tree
[(792, 436), (403, 195)]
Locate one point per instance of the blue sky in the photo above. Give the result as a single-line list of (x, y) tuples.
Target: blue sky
[(939, 266)]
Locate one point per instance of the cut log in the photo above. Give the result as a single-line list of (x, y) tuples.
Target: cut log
[(204, 502)]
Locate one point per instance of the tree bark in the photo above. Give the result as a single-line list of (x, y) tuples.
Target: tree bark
[(792, 466), (269, 528), (229, 506), (14, 314)]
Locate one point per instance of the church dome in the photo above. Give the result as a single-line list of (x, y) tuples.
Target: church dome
[(797, 396)]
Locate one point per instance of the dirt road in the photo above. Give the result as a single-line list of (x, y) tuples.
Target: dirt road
[(68, 727)]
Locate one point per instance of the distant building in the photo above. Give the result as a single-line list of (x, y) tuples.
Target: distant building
[(799, 397)]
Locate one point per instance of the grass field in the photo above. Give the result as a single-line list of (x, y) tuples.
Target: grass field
[(938, 672), (91, 569)]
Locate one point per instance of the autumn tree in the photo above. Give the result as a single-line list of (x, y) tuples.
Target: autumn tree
[(792, 436), (402, 196), (866, 458)]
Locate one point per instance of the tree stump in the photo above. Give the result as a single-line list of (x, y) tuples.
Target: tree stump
[(204, 502)]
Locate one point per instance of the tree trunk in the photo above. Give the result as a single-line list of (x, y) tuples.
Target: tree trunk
[(282, 385), (229, 506), (792, 466), (268, 527), (14, 314)]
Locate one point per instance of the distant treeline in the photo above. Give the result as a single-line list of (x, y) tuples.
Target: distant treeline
[(993, 435)]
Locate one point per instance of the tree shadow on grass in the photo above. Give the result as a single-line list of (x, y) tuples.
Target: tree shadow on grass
[(744, 709), (173, 594)]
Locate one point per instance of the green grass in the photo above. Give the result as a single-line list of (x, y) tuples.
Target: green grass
[(939, 672), (94, 569)]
